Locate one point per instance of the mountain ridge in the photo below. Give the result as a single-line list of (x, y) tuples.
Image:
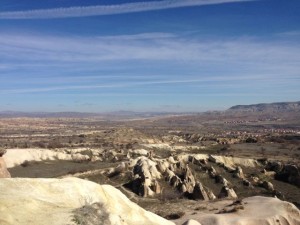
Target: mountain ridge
[(276, 107), (267, 107)]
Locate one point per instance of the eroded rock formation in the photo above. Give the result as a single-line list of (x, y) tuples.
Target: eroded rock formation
[(3, 169)]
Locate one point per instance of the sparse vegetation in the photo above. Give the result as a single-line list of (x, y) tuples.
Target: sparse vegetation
[(91, 214)]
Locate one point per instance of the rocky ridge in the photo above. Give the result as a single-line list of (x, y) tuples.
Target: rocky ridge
[(77, 201)]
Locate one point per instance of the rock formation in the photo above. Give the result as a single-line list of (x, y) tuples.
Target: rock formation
[(227, 192), (3, 169), (72, 200), (253, 211), (15, 157), (289, 173), (221, 180), (58, 201), (239, 173), (268, 186), (188, 179), (144, 182), (199, 193)]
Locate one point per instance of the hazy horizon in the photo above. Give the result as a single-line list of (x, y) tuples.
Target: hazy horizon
[(147, 56)]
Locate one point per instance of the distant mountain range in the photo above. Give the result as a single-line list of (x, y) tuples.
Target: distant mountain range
[(263, 108), (46, 114), (278, 107), (109, 115)]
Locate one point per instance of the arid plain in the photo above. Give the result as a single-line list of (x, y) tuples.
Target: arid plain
[(181, 167)]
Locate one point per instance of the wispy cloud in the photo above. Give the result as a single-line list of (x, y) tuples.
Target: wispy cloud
[(200, 82), (99, 10), (192, 63), (37, 48)]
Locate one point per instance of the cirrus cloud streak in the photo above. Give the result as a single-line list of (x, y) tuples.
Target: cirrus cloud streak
[(101, 10)]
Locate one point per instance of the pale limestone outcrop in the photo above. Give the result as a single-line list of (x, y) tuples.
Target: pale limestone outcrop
[(145, 173), (255, 211), (143, 152), (54, 201), (232, 161), (189, 180), (146, 167), (15, 157), (227, 162), (3, 169)]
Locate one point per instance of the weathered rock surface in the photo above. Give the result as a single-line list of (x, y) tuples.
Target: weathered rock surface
[(191, 222), (239, 173), (290, 174), (227, 192), (255, 211), (3, 170), (268, 185), (145, 174), (189, 179), (56, 201), (221, 180), (199, 193), (139, 152), (15, 157), (2, 152)]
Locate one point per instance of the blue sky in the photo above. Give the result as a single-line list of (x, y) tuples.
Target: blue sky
[(169, 55)]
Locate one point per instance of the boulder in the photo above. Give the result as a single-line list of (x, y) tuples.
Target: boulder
[(246, 183), (227, 192), (238, 173), (221, 180), (212, 172), (268, 185), (199, 193), (211, 195), (254, 180)]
